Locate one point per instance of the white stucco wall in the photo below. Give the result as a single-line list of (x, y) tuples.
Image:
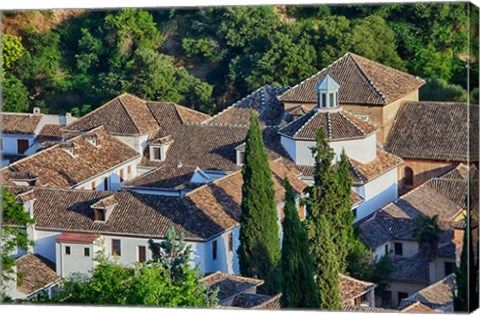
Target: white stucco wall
[(113, 177), (76, 261), (9, 142), (377, 193), (139, 143), (45, 243)]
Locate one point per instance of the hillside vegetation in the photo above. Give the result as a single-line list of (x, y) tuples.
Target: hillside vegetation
[(68, 60)]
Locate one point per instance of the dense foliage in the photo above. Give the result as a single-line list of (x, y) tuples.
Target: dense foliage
[(259, 250), (14, 236), (208, 57), (298, 285)]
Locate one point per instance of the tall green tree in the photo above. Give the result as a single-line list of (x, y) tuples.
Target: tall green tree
[(259, 250), (15, 220), (322, 201), (298, 285), (465, 299)]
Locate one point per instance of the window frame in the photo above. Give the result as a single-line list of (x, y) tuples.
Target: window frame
[(142, 253), (408, 180), (116, 251), (68, 250), (214, 250), (86, 251), (24, 146), (230, 242), (398, 248)]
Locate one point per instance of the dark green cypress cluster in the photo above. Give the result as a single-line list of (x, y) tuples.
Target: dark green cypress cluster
[(259, 250), (299, 288)]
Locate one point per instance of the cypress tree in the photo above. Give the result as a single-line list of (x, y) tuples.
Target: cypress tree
[(465, 299), (299, 289), (259, 250), (322, 201)]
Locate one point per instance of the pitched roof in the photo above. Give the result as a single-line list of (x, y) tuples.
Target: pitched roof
[(68, 237), (423, 200), (50, 132), (230, 285), (365, 309), (417, 307), (379, 229), (434, 131), (163, 177), (262, 101), (361, 81), (34, 272), (201, 214), (129, 115), (436, 296), (56, 168), (257, 301), (351, 288), (15, 123), (413, 269), (339, 125)]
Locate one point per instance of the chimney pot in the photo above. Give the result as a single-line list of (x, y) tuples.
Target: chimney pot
[(36, 110)]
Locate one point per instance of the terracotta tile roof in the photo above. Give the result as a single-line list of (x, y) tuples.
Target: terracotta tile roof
[(230, 285), (34, 272), (50, 132), (201, 214), (361, 81), (262, 101), (69, 237), (365, 309), (423, 200), (338, 126), (56, 168), (164, 177), (15, 123), (413, 269), (129, 115), (436, 296), (351, 288), (365, 172), (417, 307), (433, 131), (257, 301)]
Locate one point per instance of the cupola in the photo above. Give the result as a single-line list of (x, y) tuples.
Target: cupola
[(327, 93)]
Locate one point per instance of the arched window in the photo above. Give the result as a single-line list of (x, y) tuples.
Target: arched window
[(407, 176)]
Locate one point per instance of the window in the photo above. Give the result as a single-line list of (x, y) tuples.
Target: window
[(354, 213), (157, 153), (332, 102), (386, 249), (116, 250), (129, 170), (407, 176), (142, 254), (86, 252), (401, 296), (399, 249), (358, 301), (93, 185), (105, 183), (22, 146), (121, 175), (99, 215), (67, 250), (214, 250), (449, 268), (241, 158), (230, 242), (324, 100)]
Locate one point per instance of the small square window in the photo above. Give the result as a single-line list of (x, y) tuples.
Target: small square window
[(86, 252), (67, 250)]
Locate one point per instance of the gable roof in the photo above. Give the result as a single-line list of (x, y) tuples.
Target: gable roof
[(163, 177), (434, 131), (339, 125), (351, 288), (19, 123), (36, 273), (201, 214), (56, 168), (361, 81), (263, 102), (436, 296), (129, 115), (230, 285)]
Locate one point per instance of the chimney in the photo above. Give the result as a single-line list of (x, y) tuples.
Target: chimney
[(69, 148), (36, 110)]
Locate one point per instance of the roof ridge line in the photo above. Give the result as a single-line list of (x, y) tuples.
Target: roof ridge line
[(306, 123), (312, 76), (352, 123), (231, 106), (202, 124), (372, 85), (357, 172), (128, 113), (329, 126)]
